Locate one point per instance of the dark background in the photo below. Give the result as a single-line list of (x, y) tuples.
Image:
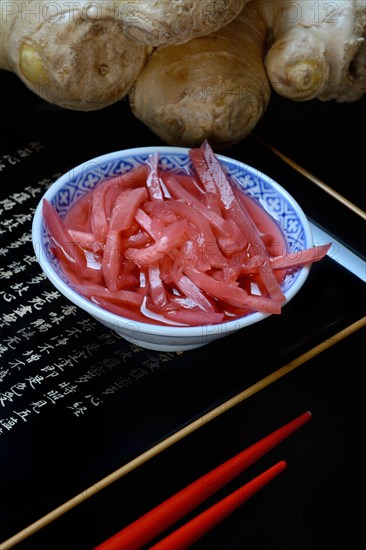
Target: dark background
[(318, 502)]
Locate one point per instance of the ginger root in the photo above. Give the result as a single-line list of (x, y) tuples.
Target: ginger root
[(192, 69), (163, 22), (318, 49), (213, 87), (71, 53)]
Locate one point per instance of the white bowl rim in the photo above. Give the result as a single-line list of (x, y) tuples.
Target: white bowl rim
[(149, 328)]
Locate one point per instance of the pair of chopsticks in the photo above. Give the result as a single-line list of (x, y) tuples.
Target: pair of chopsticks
[(139, 533)]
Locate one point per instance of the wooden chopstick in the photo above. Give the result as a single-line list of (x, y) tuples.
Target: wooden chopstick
[(326, 188), (157, 520), (197, 527), (183, 432)]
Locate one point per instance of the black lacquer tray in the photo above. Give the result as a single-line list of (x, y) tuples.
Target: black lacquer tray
[(94, 430)]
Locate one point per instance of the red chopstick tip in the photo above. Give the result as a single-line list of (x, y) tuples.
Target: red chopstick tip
[(271, 473), (304, 417), (189, 533), (157, 520), (281, 465)]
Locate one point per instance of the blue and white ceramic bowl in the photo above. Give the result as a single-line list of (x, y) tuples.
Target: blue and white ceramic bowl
[(68, 189)]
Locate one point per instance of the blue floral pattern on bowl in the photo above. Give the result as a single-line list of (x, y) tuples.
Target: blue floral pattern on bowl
[(259, 186), (76, 183)]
